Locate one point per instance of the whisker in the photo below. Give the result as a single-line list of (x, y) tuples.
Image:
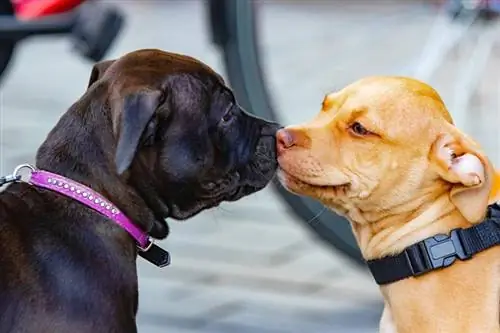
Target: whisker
[(216, 220), (256, 169), (314, 219), (224, 210), (263, 156), (274, 177)]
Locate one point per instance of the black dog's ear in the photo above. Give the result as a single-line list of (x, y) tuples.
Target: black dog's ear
[(138, 109), (98, 71)]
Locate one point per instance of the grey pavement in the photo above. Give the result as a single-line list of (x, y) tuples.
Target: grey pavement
[(248, 266)]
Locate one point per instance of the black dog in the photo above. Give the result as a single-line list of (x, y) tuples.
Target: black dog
[(160, 136)]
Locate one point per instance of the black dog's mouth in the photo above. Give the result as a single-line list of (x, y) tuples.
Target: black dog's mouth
[(215, 189), (248, 179)]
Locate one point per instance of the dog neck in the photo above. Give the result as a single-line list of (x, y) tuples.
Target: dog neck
[(81, 148), (413, 304), (391, 234)]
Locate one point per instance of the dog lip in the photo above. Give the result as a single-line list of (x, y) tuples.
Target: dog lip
[(309, 182)]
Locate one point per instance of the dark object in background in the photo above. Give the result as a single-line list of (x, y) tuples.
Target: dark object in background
[(95, 29), (487, 9), (92, 26), (6, 45)]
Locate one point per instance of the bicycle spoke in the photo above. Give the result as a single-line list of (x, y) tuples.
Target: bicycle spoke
[(445, 34), (472, 72)]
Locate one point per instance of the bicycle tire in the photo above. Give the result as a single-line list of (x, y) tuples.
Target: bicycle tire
[(234, 32)]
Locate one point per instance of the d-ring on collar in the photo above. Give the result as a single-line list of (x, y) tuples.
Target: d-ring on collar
[(62, 185)]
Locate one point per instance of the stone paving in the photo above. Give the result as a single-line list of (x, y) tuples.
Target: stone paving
[(248, 266)]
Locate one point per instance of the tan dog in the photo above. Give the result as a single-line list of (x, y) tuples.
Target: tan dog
[(384, 153)]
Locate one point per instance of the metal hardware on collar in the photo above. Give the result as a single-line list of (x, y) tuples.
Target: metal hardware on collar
[(436, 252), (147, 247), (9, 179), (23, 166), (15, 176), (439, 251)]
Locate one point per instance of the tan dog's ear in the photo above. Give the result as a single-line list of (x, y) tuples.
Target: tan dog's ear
[(459, 161), (98, 71)]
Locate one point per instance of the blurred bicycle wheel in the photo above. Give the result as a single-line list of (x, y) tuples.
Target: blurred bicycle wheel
[(283, 56)]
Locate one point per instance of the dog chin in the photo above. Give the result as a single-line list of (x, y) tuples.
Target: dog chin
[(245, 187), (187, 211), (183, 213)]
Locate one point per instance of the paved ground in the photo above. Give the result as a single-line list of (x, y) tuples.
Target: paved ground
[(249, 266)]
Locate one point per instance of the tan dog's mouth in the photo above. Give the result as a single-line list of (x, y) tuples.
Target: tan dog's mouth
[(297, 185)]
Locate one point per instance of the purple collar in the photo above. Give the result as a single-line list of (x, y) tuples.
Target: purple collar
[(86, 196), (62, 185)]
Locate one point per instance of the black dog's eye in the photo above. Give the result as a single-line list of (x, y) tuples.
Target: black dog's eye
[(359, 129), (150, 133), (228, 116), (162, 98)]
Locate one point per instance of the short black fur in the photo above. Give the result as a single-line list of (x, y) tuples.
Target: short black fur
[(158, 134)]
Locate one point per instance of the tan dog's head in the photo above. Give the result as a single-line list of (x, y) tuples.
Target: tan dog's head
[(381, 146)]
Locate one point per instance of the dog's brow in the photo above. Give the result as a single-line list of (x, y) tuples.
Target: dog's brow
[(228, 92), (328, 102), (358, 112), (333, 100)]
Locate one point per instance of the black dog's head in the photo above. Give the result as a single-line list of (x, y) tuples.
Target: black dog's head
[(181, 138)]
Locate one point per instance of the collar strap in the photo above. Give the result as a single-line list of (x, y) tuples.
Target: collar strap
[(89, 198), (62, 185), (439, 251)]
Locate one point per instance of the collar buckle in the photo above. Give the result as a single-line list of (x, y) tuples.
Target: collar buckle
[(436, 252), (154, 254)]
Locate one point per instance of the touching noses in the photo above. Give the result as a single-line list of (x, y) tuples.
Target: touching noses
[(288, 137)]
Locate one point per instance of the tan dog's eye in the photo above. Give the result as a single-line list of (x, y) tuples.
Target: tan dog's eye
[(359, 129)]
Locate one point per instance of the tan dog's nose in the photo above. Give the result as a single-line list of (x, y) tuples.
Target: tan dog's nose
[(288, 137), (284, 139)]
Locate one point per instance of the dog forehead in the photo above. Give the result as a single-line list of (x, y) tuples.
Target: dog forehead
[(152, 67), (398, 108), (402, 96)]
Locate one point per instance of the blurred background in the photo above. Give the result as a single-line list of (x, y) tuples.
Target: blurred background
[(267, 263)]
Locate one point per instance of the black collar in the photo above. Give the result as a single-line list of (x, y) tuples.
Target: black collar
[(439, 251)]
